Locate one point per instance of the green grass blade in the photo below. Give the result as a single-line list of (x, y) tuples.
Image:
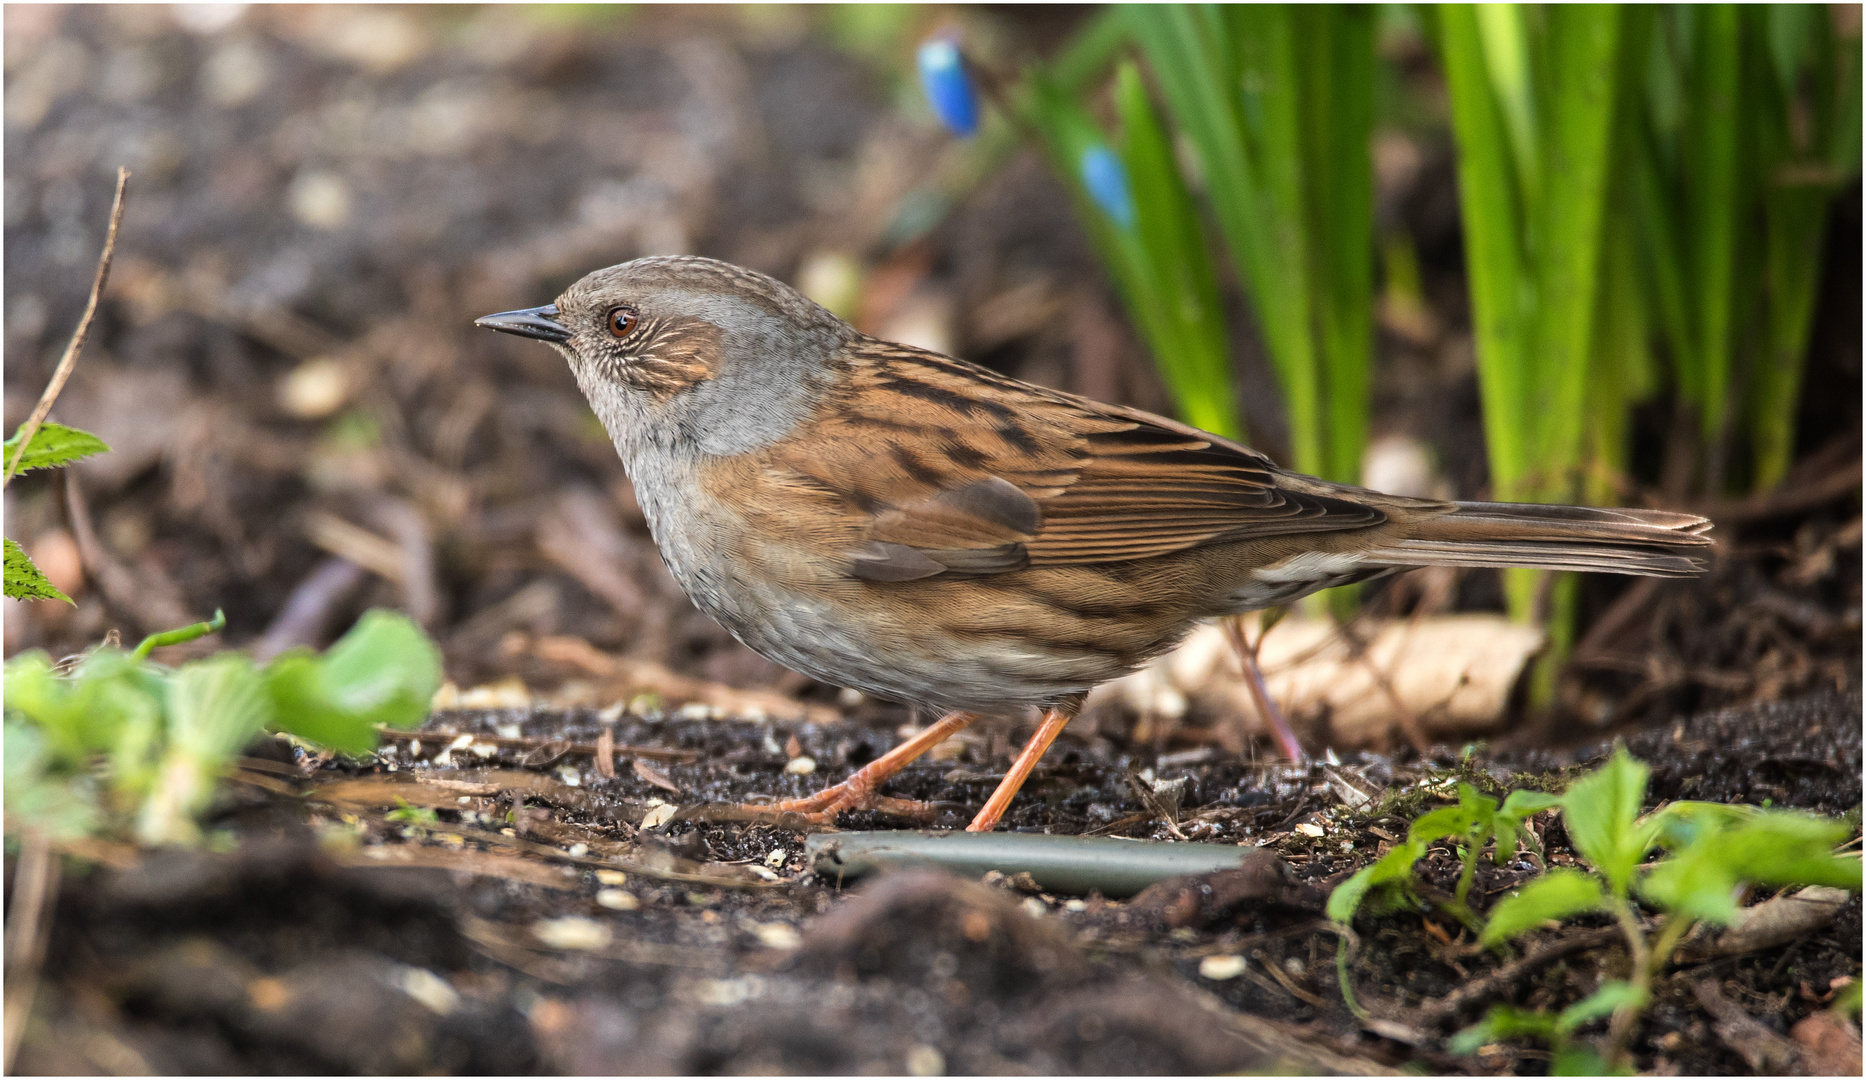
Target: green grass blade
[(1584, 53), (1713, 201), (1338, 67), (1493, 255), (1182, 279)]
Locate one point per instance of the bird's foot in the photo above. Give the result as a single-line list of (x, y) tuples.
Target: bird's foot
[(859, 791), (855, 793)]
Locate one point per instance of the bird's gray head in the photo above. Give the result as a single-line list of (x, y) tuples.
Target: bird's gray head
[(728, 357)]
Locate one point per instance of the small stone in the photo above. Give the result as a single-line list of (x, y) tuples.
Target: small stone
[(658, 816), (777, 858), (1309, 828), (1222, 967)]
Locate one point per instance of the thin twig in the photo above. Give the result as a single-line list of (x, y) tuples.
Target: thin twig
[(1484, 987), (28, 924), (70, 359)]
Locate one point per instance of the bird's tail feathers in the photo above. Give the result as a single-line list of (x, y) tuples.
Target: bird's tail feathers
[(1650, 543)]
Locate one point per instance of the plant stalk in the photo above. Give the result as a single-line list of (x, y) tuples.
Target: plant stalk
[(70, 360)]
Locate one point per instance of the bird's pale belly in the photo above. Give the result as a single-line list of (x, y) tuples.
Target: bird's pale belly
[(935, 661)]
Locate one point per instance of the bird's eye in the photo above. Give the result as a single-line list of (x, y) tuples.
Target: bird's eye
[(622, 321)]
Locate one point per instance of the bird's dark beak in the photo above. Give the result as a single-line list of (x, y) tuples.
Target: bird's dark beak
[(537, 322)]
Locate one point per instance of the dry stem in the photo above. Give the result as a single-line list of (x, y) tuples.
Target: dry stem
[(70, 359), (35, 887)]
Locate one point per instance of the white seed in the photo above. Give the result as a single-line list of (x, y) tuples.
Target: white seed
[(572, 932), (617, 899), (1220, 968)]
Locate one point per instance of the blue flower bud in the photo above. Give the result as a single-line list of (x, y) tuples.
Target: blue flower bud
[(948, 88), (1106, 180)]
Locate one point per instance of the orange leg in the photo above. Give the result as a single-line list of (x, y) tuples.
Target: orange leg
[(1053, 724), (858, 791)]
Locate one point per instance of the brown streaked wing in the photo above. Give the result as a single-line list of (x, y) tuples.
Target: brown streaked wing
[(965, 470)]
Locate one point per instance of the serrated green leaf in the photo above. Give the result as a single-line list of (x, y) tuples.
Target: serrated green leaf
[(1600, 812), (1556, 895), (24, 581), (1762, 848), (53, 445)]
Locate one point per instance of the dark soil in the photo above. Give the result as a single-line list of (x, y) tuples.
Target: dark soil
[(343, 190), (309, 949)]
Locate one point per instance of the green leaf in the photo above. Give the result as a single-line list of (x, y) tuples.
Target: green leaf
[(1393, 867), (1520, 804), (1581, 1061), (1600, 811), (23, 579), (1763, 848), (84, 713), (384, 671), (61, 807), (1612, 996), (1502, 1022), (215, 707), (1440, 823), (53, 445), (1555, 895)]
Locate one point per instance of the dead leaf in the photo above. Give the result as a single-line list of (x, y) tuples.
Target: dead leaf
[(654, 776)]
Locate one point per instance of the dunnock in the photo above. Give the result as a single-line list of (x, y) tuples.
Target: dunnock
[(926, 530)]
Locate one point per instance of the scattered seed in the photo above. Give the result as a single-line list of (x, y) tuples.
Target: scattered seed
[(577, 850), (429, 989), (658, 816), (571, 932), (611, 877), (924, 1060), (802, 765), (777, 935), (777, 858), (1308, 828), (617, 899), (1220, 968)]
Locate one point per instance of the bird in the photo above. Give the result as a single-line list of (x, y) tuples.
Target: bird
[(929, 531)]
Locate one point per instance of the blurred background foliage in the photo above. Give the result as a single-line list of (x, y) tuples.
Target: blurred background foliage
[(1644, 194)]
